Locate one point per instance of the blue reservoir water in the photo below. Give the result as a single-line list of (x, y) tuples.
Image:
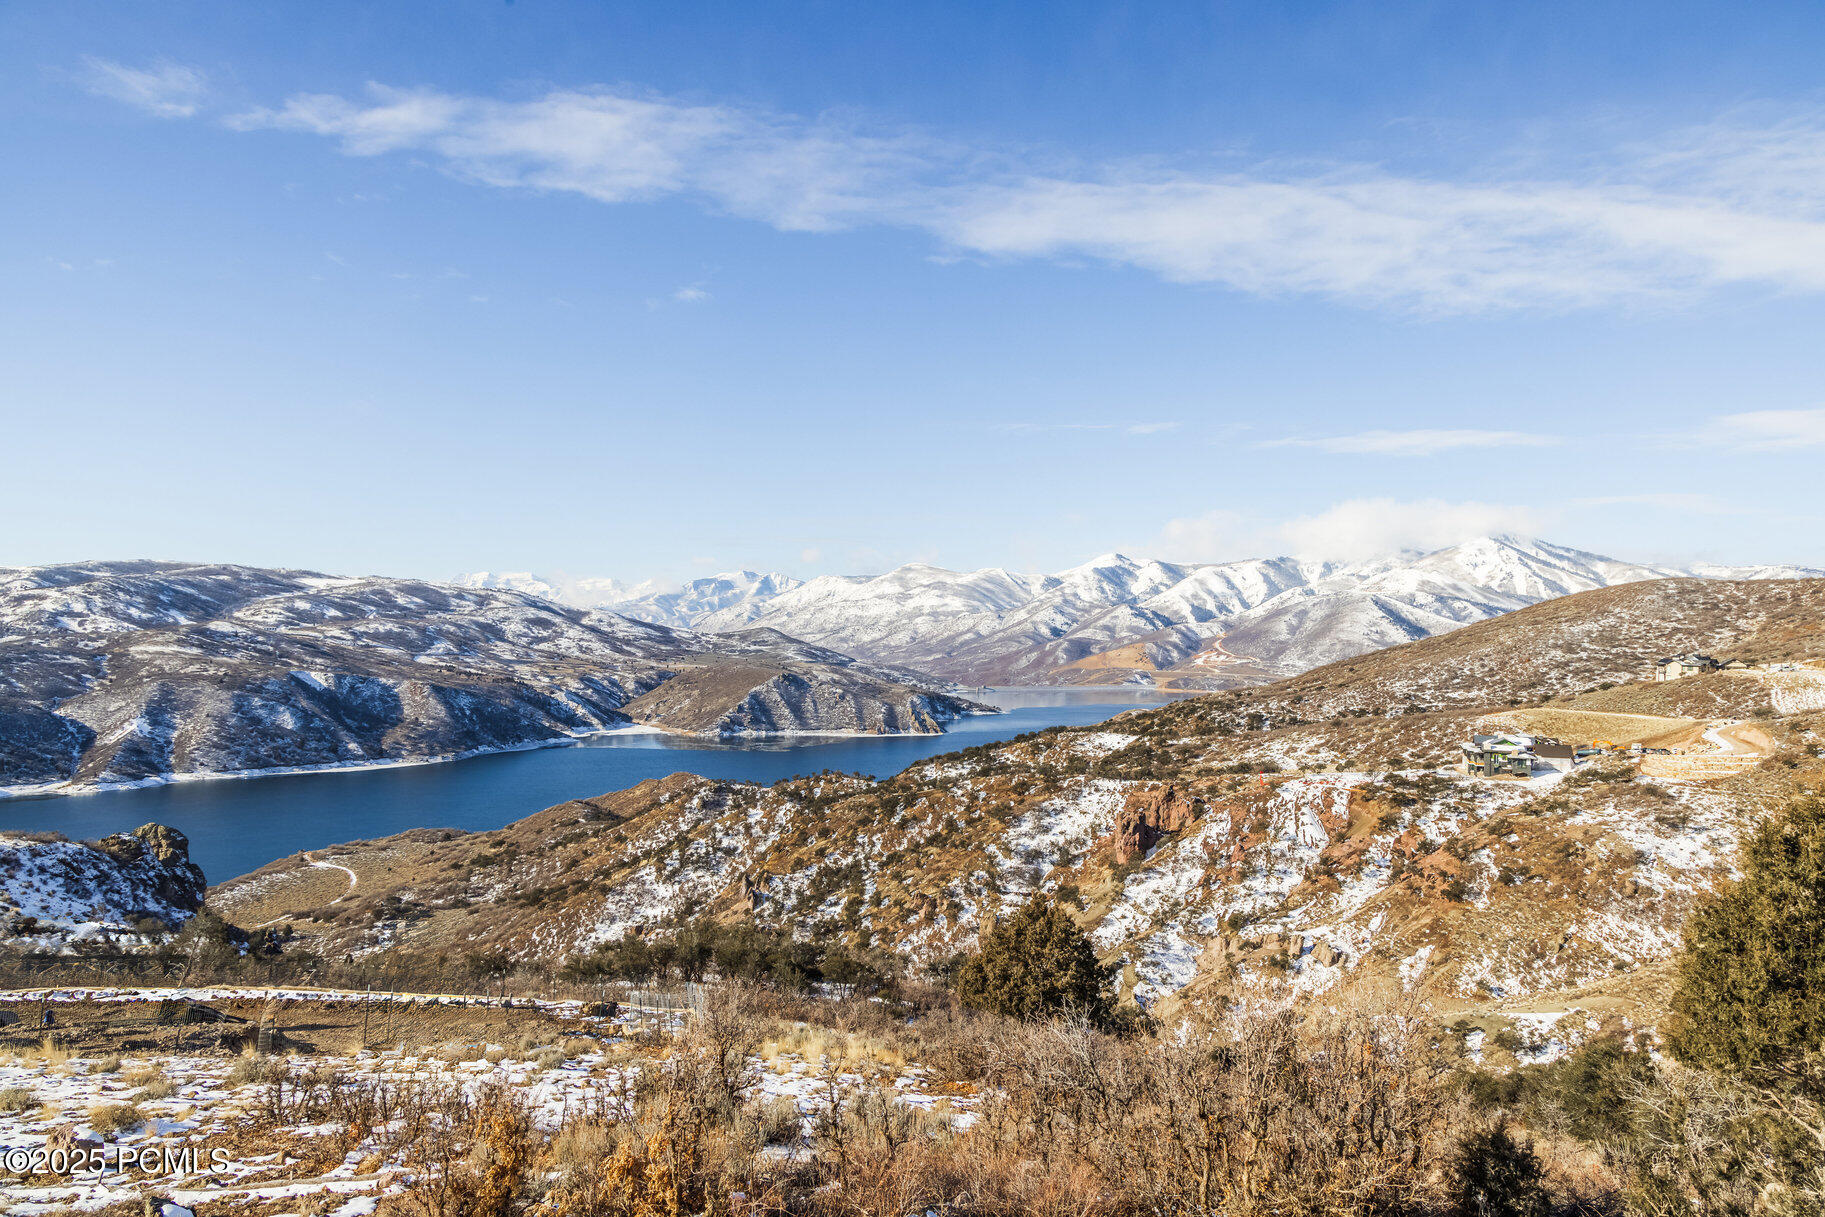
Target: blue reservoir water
[(237, 825)]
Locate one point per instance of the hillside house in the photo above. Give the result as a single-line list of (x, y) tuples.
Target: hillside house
[(1494, 755), (1678, 666), (1519, 755)]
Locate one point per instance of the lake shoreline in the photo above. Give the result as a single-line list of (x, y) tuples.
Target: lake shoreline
[(237, 826), (64, 790)]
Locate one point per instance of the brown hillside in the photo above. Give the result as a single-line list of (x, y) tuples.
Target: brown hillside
[(1554, 649)]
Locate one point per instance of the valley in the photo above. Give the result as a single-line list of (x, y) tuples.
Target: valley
[(1302, 837)]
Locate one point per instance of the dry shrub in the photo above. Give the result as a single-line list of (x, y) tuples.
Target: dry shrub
[(780, 1122), (250, 1069), (1347, 1112), (661, 1175), (725, 1036), (582, 1145), (111, 1119), (470, 1156), (878, 1154), (660, 1147), (16, 1099), (1580, 1177)]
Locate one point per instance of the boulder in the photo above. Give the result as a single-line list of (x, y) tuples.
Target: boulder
[(180, 881), (166, 844)]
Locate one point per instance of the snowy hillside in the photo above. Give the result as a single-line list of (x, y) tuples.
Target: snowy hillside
[(1297, 838), (128, 673), (1118, 618), (53, 890)]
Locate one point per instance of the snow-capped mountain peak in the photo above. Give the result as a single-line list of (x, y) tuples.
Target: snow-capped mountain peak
[(1281, 614)]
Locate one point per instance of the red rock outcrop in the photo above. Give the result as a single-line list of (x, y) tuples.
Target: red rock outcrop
[(1149, 815)]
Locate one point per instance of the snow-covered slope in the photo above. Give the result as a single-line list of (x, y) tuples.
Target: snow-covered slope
[(53, 890), (114, 673), (1117, 618), (734, 599)]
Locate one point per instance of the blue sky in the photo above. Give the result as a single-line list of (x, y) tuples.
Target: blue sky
[(654, 290)]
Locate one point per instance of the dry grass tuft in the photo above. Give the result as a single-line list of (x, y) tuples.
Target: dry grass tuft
[(143, 1076), (111, 1119), (157, 1088), (251, 1069)]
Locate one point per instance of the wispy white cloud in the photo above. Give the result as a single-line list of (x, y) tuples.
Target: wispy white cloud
[(1767, 430), (619, 147), (1363, 527), (167, 89), (1738, 202), (690, 293), (1347, 531), (1421, 441)]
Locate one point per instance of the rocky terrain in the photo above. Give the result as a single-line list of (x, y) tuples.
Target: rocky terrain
[(122, 673), (125, 888), (1118, 619), (1298, 838)]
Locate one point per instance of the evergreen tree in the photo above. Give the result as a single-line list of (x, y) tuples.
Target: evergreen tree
[(1035, 965), (1749, 1012), (1493, 1175), (1750, 998)]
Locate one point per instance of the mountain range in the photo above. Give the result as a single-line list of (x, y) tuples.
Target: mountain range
[(117, 673), (1120, 619)]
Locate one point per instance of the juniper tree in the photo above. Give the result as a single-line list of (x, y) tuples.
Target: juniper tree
[(1750, 997), (1035, 965), (1744, 1131)]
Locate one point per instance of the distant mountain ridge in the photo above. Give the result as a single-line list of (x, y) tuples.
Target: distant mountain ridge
[(1117, 619), (128, 673)]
